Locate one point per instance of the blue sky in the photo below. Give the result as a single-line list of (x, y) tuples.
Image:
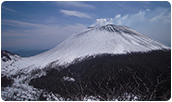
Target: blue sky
[(43, 25)]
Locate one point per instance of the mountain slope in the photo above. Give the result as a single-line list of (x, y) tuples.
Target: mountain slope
[(92, 41), (141, 76)]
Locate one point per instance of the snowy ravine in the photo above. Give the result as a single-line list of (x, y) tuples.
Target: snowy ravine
[(111, 39)]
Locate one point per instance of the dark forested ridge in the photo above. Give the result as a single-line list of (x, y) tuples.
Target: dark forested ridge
[(144, 75)]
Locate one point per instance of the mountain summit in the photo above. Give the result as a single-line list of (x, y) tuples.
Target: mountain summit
[(111, 39)]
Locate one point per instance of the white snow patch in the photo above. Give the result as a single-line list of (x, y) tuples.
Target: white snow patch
[(66, 78)]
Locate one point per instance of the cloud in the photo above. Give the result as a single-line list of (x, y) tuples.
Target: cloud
[(162, 16), (39, 29), (75, 4), (153, 23), (124, 1), (115, 0), (75, 13), (143, 16), (33, 35), (21, 24), (144, 1), (8, 9), (100, 22)]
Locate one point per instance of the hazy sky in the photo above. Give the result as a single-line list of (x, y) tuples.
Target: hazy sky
[(43, 25)]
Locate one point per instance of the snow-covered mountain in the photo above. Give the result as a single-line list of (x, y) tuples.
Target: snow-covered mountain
[(110, 38), (17, 72)]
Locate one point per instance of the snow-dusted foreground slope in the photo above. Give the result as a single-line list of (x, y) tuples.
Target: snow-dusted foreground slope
[(7, 59), (105, 39)]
